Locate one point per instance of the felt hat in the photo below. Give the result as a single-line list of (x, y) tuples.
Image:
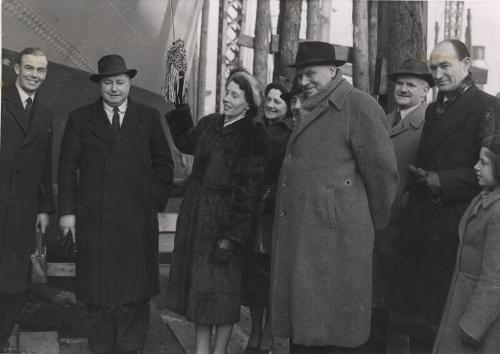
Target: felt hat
[(413, 67), (312, 53), (111, 65)]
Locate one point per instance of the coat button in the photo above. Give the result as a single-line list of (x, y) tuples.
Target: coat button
[(289, 156), (18, 171), (283, 214), (283, 184)]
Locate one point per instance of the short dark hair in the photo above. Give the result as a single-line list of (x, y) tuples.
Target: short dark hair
[(29, 51), (460, 48), (495, 162), (281, 88), (244, 86)]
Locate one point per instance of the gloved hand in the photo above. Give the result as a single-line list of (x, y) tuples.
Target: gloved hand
[(223, 251), (468, 341)]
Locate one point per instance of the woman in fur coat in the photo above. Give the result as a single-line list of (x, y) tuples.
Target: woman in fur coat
[(471, 319), (217, 214)]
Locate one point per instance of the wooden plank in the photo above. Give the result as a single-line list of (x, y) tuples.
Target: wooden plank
[(166, 242), (61, 269), (167, 222), (39, 342)]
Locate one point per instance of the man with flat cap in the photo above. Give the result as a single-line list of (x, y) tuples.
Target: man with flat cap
[(337, 183), (115, 172), (412, 81)]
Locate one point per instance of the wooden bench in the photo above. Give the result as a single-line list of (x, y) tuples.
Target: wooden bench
[(166, 225)]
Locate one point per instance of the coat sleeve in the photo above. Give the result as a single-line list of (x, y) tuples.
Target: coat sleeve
[(247, 179), (69, 164), (183, 132), (162, 165), (375, 158), (483, 308), (46, 191)]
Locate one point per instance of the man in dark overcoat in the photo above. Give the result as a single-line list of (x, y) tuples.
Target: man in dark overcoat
[(26, 196), (115, 172), (443, 184)]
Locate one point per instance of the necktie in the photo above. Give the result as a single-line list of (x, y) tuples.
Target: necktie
[(115, 125), (27, 109), (397, 118)]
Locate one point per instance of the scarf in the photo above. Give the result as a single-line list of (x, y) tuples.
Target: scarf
[(443, 105), (310, 103)]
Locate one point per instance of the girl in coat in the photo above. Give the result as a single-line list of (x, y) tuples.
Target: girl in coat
[(279, 125), (471, 319), (217, 214)]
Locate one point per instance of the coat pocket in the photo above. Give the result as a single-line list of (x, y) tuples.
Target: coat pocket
[(330, 195)]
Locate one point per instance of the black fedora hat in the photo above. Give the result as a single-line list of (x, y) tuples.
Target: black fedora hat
[(413, 67), (313, 53), (111, 65)]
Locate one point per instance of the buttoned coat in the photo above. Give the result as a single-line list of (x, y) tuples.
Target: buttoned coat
[(25, 185), (405, 136), (337, 183), (449, 145), (473, 302), (115, 187)]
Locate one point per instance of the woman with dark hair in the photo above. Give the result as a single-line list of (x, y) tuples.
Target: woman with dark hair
[(217, 214), (279, 123)]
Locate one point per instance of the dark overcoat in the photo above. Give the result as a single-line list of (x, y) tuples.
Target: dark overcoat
[(474, 299), (25, 185), (337, 183), (220, 202), (449, 145), (115, 187), (405, 137)]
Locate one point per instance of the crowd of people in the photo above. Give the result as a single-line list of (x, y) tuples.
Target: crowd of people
[(341, 227)]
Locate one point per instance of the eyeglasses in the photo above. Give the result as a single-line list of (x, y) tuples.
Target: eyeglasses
[(30, 70)]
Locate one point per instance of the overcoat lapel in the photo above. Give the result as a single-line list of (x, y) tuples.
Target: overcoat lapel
[(414, 119), (440, 128), (36, 122), (315, 113), (130, 126), (15, 107), (100, 126)]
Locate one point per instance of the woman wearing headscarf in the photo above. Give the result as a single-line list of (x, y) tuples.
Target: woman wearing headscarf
[(217, 214), (279, 124)]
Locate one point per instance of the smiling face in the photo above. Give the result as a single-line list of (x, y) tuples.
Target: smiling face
[(485, 170), (275, 107), (447, 69), (234, 100), (409, 91), (313, 78), (115, 89), (31, 72)]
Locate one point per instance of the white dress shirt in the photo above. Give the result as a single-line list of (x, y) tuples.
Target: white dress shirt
[(121, 111), (24, 96)]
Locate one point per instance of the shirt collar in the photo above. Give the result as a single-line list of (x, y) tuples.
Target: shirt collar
[(121, 108), (23, 95), (406, 111)]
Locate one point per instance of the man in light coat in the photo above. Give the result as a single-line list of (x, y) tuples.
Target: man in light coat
[(337, 183), (115, 172), (412, 81)]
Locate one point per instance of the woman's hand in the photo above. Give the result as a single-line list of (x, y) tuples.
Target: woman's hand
[(222, 251)]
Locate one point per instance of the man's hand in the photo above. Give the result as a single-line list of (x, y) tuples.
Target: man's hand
[(67, 224), (222, 251), (42, 221), (429, 179)]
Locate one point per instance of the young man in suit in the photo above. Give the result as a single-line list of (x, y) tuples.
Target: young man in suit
[(26, 196), (115, 173), (443, 183)]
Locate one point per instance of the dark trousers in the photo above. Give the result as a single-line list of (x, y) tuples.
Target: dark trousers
[(331, 349), (119, 328), (11, 307)]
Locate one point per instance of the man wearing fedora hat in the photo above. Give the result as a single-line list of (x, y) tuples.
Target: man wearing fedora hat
[(412, 80), (337, 183), (115, 171), (443, 183)]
